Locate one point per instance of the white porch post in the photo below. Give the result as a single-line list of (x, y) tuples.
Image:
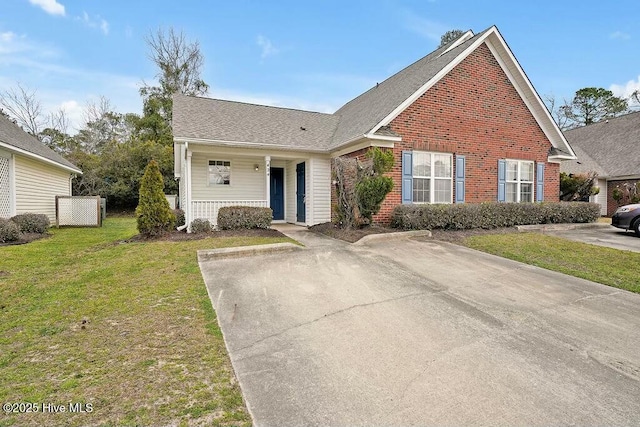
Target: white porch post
[(188, 211), (267, 170)]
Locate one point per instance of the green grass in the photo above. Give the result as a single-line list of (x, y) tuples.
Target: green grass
[(127, 327), (608, 266)]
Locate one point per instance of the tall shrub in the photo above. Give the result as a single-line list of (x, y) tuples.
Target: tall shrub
[(154, 216)]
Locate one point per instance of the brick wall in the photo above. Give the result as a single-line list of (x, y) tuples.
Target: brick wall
[(473, 111), (612, 205)]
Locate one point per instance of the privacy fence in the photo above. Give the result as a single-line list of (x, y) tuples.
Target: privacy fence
[(78, 211)]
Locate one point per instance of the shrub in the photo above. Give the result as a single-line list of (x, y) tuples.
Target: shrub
[(180, 218), (244, 217), (153, 213), (31, 222), (200, 225), (491, 215), (9, 231)]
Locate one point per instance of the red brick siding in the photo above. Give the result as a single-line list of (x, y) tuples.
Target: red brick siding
[(612, 205), (473, 111)]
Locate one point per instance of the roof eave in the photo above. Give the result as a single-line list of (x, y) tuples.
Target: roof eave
[(246, 144), (38, 157)]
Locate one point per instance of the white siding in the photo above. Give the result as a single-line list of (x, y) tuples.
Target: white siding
[(320, 186), (290, 191), (245, 184), (601, 197), (37, 185)]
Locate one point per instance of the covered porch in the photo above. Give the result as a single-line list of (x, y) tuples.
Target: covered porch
[(296, 186)]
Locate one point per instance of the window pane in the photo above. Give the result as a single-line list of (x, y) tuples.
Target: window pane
[(421, 164), (512, 192), (526, 171), (526, 192), (512, 170), (442, 165), (219, 172), (442, 191), (421, 190)]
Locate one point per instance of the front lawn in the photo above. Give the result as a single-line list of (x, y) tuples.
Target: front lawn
[(125, 327), (608, 266)]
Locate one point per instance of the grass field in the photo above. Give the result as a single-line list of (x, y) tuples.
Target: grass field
[(608, 266), (125, 327)]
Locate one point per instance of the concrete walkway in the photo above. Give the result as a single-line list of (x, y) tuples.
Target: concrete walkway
[(419, 332)]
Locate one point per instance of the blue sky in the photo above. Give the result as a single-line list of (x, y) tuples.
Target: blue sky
[(313, 55)]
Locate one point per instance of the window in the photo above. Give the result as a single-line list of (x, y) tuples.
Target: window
[(219, 172), (432, 181), (519, 181)]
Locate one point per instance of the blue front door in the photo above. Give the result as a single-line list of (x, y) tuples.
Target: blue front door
[(300, 193), (277, 193)]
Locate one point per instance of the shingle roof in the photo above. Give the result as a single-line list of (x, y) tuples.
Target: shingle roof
[(206, 118), (220, 120), (612, 147), (362, 114), (13, 135)]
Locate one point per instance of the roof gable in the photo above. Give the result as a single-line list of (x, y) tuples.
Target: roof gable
[(14, 138), (611, 147)]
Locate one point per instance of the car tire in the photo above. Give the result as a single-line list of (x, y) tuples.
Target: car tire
[(636, 227)]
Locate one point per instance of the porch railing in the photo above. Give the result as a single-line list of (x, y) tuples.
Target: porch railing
[(208, 209)]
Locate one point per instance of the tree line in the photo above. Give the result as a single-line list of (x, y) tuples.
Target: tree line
[(112, 148)]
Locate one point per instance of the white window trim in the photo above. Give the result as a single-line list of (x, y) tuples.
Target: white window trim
[(432, 179), (209, 184), (519, 182)]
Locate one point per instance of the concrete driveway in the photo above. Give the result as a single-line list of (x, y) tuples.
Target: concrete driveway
[(419, 332), (608, 236)]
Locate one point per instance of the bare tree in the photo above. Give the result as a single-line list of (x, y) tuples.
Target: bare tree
[(179, 62), (22, 104), (559, 111)]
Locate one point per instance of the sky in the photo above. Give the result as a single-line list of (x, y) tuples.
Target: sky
[(313, 55)]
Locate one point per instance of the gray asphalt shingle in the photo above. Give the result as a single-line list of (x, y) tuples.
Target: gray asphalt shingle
[(12, 134), (611, 147)]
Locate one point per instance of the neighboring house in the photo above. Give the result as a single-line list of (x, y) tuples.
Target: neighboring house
[(464, 123), (611, 149), (31, 174)]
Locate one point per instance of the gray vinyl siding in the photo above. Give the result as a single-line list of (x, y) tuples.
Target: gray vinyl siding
[(245, 183), (37, 185)]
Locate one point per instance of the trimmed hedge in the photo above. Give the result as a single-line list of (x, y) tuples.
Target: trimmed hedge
[(180, 218), (491, 215), (9, 231), (32, 223), (244, 217), (200, 225)]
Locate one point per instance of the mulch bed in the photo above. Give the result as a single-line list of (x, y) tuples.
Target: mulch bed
[(182, 236), (353, 234), (27, 238)]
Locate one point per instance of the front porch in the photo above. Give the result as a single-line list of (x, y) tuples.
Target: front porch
[(288, 183)]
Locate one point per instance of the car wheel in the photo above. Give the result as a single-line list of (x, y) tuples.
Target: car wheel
[(636, 227)]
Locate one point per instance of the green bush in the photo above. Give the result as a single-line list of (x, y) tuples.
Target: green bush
[(200, 225), (31, 222), (9, 231), (244, 217), (490, 215), (153, 213), (180, 218), (371, 192)]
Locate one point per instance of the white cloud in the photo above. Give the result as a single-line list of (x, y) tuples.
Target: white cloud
[(626, 89), (268, 49), (427, 28), (52, 7), (97, 22), (619, 35)]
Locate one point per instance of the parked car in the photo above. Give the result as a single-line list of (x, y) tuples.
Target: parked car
[(628, 218)]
